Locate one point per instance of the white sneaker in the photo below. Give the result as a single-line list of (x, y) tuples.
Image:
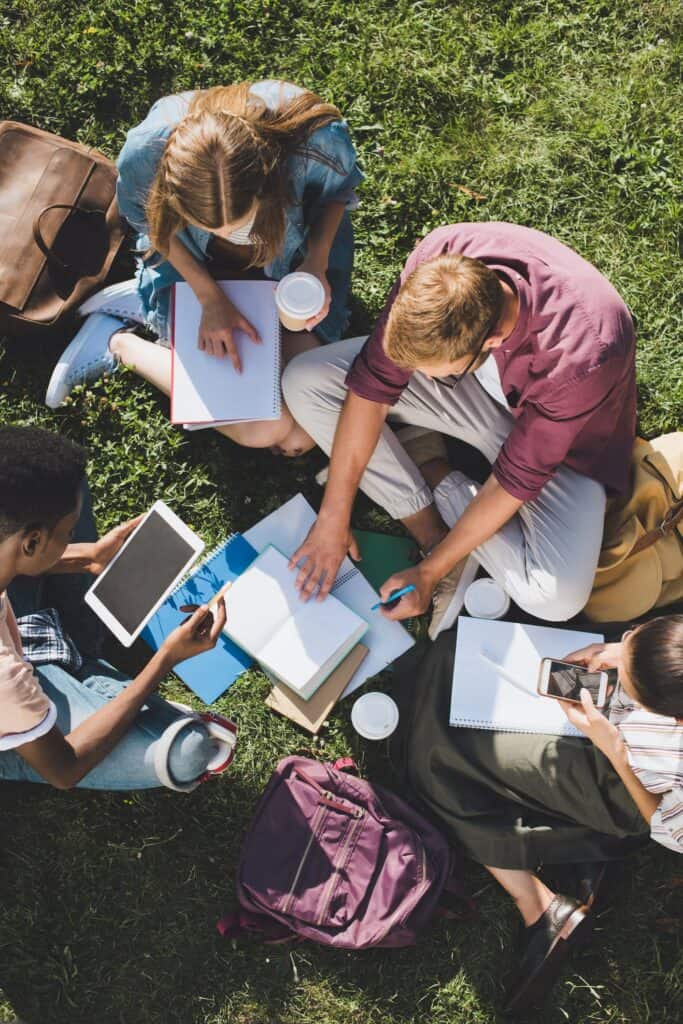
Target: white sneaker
[(449, 595), (120, 299), (85, 359)]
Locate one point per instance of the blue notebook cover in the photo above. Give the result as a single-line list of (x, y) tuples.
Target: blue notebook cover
[(212, 673)]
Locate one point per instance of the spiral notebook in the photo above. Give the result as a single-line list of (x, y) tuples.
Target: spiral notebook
[(505, 700), (299, 642), (207, 390), (212, 673), (385, 639)]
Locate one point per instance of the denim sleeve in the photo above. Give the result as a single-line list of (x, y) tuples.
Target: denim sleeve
[(331, 171), (137, 166)]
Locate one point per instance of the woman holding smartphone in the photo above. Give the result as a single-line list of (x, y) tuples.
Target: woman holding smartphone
[(516, 800), (254, 176)]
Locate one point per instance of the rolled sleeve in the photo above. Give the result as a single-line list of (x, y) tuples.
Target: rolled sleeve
[(336, 171), (666, 824), (137, 167), (544, 435), (373, 375)]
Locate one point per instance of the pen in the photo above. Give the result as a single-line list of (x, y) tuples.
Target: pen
[(396, 595), (205, 623), (507, 676)]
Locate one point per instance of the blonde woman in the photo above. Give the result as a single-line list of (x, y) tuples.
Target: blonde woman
[(255, 177)]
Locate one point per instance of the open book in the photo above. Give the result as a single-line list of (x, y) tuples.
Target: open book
[(495, 675), (206, 390), (385, 639), (299, 642)]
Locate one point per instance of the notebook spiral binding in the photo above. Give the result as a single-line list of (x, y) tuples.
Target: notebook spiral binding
[(277, 378), (344, 578), (196, 569)]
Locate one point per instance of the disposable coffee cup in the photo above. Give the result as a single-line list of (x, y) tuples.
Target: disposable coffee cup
[(298, 297), (374, 716), (486, 599)]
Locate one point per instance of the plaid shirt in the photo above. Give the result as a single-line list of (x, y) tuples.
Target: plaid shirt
[(45, 641)]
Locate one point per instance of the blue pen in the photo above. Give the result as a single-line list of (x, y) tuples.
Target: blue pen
[(395, 596)]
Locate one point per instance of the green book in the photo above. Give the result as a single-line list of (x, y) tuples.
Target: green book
[(382, 555)]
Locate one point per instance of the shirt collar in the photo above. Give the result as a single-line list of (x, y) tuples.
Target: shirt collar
[(520, 331)]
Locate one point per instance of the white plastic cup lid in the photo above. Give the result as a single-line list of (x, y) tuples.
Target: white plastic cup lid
[(374, 716), (300, 295), (486, 599)]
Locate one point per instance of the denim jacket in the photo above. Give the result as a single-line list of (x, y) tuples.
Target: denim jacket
[(323, 169)]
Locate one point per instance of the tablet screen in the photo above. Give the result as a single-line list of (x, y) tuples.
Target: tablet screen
[(143, 571)]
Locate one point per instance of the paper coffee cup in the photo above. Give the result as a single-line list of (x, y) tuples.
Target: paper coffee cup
[(298, 297), (374, 716), (486, 599)]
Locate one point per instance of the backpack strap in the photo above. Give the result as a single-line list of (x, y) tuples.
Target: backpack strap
[(345, 764), (668, 524)]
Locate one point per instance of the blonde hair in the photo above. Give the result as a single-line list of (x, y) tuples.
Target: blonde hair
[(443, 312), (227, 153)]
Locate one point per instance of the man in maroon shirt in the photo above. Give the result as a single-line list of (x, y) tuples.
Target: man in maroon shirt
[(501, 336)]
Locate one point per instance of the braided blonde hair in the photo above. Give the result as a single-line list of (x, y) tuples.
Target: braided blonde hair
[(228, 152)]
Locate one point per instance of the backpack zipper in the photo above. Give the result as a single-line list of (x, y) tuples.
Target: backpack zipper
[(286, 903), (334, 877)]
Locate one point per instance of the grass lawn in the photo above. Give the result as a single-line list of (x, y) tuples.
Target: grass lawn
[(559, 114)]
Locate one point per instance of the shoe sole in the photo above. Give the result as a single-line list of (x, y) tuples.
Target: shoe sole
[(71, 352), (59, 373), (574, 932)]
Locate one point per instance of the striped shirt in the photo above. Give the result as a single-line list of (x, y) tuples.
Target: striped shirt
[(655, 752)]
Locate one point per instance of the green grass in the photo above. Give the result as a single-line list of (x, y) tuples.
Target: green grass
[(562, 115)]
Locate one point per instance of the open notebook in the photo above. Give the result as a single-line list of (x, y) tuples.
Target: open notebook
[(385, 639), (206, 390), (299, 642), (209, 674), (484, 698)]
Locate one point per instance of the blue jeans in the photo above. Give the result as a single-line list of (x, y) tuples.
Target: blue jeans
[(130, 765)]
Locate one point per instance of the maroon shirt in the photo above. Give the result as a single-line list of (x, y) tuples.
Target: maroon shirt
[(567, 369)]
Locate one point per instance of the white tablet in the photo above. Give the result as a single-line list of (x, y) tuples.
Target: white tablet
[(139, 578)]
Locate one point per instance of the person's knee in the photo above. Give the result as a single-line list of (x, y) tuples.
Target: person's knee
[(300, 380), (556, 600), (190, 753)]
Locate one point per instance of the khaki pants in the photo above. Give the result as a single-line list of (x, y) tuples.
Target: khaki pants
[(545, 556)]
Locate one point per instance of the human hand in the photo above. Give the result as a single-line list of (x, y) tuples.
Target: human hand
[(316, 268), (596, 657), (220, 319), (412, 604), (194, 636), (104, 549), (323, 551), (594, 725)]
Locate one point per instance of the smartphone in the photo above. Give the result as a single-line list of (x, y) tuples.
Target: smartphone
[(564, 681)]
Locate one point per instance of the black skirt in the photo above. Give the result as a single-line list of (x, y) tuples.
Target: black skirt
[(512, 800)]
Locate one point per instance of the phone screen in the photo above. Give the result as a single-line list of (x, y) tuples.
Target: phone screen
[(567, 681)]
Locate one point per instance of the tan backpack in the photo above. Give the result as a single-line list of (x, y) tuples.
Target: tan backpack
[(641, 561)]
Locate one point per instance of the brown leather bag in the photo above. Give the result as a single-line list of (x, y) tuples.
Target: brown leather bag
[(60, 228)]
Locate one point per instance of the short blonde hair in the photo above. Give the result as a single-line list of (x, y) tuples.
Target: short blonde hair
[(443, 311)]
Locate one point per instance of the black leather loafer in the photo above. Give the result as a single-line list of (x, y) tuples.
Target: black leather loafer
[(548, 942)]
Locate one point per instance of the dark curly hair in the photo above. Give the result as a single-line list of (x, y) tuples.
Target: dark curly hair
[(40, 477)]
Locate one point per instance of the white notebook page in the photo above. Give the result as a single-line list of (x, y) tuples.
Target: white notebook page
[(206, 388), (386, 640), (483, 698), (293, 638)]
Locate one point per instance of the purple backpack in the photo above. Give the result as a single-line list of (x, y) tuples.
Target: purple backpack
[(331, 858)]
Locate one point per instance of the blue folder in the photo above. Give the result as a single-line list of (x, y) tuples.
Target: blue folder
[(212, 673)]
